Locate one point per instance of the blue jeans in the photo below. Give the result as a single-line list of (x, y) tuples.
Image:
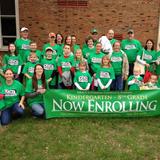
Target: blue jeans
[(6, 114), (37, 109), (117, 83)]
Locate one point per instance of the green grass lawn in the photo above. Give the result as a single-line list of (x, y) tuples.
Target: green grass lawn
[(81, 139)]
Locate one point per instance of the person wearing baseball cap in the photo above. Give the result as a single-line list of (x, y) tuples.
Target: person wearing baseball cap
[(94, 34), (56, 48), (131, 47), (22, 44)]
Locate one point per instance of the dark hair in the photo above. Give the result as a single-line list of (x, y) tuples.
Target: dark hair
[(61, 36), (145, 47), (9, 70), (9, 48), (88, 38), (66, 39), (116, 42), (35, 81)]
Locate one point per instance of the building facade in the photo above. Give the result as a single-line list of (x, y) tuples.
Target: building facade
[(79, 16)]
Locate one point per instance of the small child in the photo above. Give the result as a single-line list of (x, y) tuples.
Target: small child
[(33, 48), (79, 58), (152, 84), (50, 68), (82, 79), (28, 69), (135, 80), (105, 74)]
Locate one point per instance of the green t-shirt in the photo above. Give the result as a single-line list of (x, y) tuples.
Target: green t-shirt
[(112, 41), (29, 69), (158, 66), (13, 62), (57, 50), (136, 85), (2, 103), (83, 78), (88, 51), (22, 46), (49, 66), (75, 47), (29, 89), (94, 60), (117, 62), (12, 93), (131, 48), (105, 74), (149, 57)]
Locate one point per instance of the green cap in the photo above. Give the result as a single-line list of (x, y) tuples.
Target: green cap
[(94, 31)]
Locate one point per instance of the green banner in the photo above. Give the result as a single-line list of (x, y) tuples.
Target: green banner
[(72, 103)]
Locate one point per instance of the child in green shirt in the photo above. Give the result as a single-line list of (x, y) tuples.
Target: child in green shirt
[(82, 79)]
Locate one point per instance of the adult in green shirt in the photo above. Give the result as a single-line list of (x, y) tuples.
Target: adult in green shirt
[(148, 56), (35, 88), (13, 61), (90, 48), (12, 90), (131, 47), (22, 43), (57, 51)]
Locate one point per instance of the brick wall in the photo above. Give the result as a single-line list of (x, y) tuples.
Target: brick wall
[(43, 16)]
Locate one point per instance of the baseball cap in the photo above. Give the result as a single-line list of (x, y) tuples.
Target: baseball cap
[(51, 34), (24, 29), (130, 31), (49, 48), (94, 31)]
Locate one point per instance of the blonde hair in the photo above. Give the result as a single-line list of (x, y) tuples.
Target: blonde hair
[(107, 57), (81, 58)]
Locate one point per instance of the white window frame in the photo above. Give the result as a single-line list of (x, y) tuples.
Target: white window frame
[(5, 48), (158, 38)]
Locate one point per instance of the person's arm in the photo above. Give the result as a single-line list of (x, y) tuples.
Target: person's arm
[(19, 70), (1, 96), (78, 86), (21, 103), (31, 95), (60, 70), (100, 84), (108, 84), (28, 76), (88, 86)]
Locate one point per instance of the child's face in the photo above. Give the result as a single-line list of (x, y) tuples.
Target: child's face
[(33, 46), (153, 79), (82, 67), (136, 72), (105, 61), (66, 50), (78, 54), (33, 58), (49, 53)]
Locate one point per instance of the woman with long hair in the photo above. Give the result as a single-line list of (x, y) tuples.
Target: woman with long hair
[(35, 88)]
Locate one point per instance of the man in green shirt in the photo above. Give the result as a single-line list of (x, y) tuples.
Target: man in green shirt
[(131, 47), (22, 44)]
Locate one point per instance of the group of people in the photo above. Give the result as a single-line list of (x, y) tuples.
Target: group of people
[(100, 64)]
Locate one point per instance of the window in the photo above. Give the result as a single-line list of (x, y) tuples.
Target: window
[(8, 22)]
